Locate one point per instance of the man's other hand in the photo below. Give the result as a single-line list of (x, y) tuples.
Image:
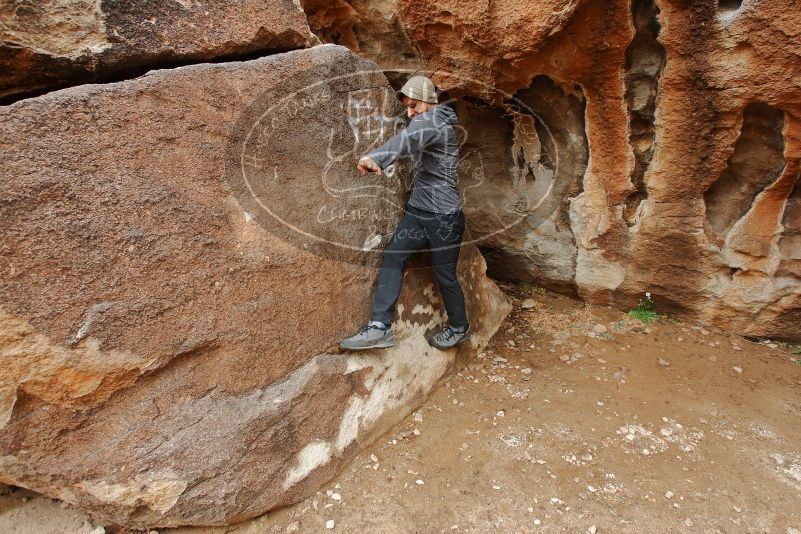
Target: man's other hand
[(368, 165)]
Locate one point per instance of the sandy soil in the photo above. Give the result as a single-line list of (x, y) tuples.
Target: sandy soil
[(564, 426)]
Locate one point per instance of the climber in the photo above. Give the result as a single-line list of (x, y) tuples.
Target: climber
[(433, 216)]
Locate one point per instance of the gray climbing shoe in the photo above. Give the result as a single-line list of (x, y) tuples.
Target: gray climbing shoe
[(369, 337), (448, 337)]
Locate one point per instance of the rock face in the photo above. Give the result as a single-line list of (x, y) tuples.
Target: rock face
[(514, 200), (166, 348), (690, 112), (370, 28), (55, 43)]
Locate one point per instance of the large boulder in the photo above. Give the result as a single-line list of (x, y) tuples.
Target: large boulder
[(691, 113), (181, 254), (55, 43)]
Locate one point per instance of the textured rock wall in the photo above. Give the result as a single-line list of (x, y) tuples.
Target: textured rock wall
[(166, 352), (55, 43), (691, 117), (371, 28)]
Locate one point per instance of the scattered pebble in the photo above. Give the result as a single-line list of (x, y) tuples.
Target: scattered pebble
[(600, 329), (329, 524), (663, 362), (668, 494)]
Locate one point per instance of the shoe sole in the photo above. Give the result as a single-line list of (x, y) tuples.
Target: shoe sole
[(442, 347), (384, 345)]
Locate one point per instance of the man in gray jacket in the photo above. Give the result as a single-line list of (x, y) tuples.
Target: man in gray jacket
[(433, 218)]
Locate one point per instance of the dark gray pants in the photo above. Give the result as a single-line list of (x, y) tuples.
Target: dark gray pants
[(419, 229)]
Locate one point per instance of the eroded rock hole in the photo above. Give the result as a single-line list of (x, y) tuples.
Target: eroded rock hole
[(756, 161), (729, 5), (790, 242), (522, 160), (645, 60), (333, 22), (371, 29)]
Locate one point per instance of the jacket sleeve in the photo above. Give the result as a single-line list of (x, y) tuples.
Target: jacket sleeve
[(412, 139)]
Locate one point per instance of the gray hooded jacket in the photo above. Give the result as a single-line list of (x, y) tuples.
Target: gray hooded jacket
[(430, 142)]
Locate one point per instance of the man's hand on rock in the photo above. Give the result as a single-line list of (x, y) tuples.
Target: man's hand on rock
[(368, 165)]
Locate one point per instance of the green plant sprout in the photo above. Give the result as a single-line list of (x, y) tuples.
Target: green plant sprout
[(533, 288), (644, 311)]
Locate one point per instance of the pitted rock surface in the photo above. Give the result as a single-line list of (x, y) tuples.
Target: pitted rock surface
[(684, 182)]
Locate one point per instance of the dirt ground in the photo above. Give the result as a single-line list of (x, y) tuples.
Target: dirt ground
[(564, 426)]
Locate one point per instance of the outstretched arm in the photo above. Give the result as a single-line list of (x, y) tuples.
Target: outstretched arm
[(413, 138)]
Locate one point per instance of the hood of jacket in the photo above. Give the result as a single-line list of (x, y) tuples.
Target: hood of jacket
[(445, 114), (442, 115)]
